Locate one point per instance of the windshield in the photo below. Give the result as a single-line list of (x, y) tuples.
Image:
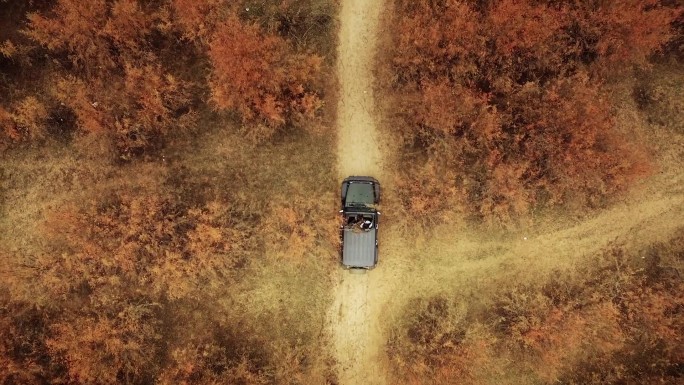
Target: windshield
[(360, 193)]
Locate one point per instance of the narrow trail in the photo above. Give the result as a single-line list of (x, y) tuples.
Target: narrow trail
[(358, 146), (354, 318)]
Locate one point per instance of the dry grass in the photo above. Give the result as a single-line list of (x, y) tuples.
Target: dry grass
[(206, 260), (612, 319), (271, 312), (561, 297)]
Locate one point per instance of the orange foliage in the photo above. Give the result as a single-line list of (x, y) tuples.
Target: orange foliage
[(611, 322), (115, 48), (9, 129), (116, 84), (439, 346), (8, 49), (428, 193), (262, 78), (197, 18), (155, 104), (607, 317), (290, 232), (150, 241), (25, 121), (87, 105), (653, 314), (116, 267), (114, 344), (88, 32), (628, 31), (507, 94)]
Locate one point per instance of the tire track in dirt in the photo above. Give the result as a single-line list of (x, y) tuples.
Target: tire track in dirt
[(354, 318)]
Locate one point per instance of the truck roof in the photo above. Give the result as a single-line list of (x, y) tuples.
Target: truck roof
[(359, 248), (360, 193)]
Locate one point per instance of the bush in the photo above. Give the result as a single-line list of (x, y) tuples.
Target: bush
[(610, 323), (117, 271), (26, 121), (271, 87), (224, 357), (138, 91), (438, 342), (615, 320), (508, 97), (112, 77)]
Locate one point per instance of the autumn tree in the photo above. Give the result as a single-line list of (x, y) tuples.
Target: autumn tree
[(506, 97), (259, 76), (111, 48), (116, 269)]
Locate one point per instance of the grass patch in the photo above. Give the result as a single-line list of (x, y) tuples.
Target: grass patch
[(615, 319), (126, 255)]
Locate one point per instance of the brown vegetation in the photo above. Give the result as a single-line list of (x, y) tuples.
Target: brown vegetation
[(183, 277), (261, 78), (108, 71), (137, 72), (113, 273), (26, 121), (504, 101), (614, 321), (159, 269)]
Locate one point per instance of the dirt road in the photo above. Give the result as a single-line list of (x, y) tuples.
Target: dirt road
[(358, 145), (354, 318)]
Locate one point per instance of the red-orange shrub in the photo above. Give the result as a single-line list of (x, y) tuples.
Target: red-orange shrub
[(25, 121), (197, 19), (115, 83), (94, 35), (508, 96), (259, 76), (116, 266)]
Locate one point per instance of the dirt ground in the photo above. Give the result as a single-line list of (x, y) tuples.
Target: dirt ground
[(459, 259), (356, 327)]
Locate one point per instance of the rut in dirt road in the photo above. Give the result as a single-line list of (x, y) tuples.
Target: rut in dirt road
[(354, 316)]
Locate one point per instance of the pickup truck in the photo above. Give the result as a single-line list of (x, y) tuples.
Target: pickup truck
[(359, 230)]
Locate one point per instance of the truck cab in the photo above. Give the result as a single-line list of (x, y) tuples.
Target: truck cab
[(360, 219)]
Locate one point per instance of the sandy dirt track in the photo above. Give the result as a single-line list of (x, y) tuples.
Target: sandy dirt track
[(354, 318), (358, 145)]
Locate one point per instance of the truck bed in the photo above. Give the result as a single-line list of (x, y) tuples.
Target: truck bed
[(359, 247)]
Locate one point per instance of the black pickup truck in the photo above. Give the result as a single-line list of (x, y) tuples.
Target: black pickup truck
[(359, 230)]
